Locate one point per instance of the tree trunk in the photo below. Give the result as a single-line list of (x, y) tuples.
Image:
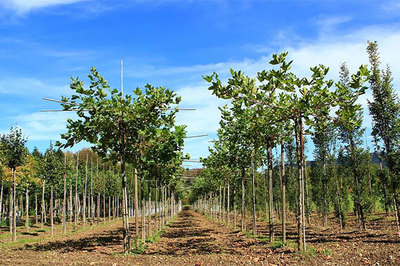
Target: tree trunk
[(253, 193), (1, 201), (228, 203), (98, 207), (325, 192), (92, 207), (396, 211), (27, 209), (109, 208), (65, 197), (223, 203), (302, 177), (143, 216), (125, 218), (136, 207), (43, 205), (234, 207), (220, 205), (283, 181), (299, 151), (14, 235), (36, 209), (113, 207), (149, 212), (156, 208), (357, 203), (84, 192), (271, 195), (70, 201), (11, 204), (76, 191), (243, 214), (51, 211)]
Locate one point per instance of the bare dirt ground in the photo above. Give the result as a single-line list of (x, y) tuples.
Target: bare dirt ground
[(191, 239)]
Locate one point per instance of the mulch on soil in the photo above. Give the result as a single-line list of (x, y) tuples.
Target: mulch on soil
[(191, 239)]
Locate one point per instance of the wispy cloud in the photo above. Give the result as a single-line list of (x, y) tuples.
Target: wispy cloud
[(24, 6), (31, 87), (391, 7)]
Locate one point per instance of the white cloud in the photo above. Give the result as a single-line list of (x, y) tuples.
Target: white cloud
[(23, 6), (391, 7), (43, 126), (32, 86), (328, 50)]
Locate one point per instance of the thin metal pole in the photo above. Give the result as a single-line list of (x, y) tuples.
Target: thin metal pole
[(122, 74)]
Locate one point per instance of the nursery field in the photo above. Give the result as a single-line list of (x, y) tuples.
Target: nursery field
[(192, 239)]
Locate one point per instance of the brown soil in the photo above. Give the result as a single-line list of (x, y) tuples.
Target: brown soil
[(191, 239)]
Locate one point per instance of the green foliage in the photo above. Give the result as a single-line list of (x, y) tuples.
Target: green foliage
[(13, 148)]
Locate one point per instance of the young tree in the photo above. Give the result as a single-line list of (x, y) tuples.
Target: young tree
[(385, 113), (115, 124), (350, 125), (29, 178), (14, 152), (54, 170)]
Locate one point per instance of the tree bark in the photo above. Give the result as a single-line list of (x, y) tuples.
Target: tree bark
[(36, 208), (65, 196), (10, 213), (283, 181), (271, 195), (98, 207), (43, 205), (234, 207), (14, 235), (243, 215), (70, 201), (1, 201), (299, 151), (223, 203), (228, 203), (220, 205), (104, 207), (84, 193), (253, 193), (76, 190), (149, 212), (51, 211), (136, 206), (27, 209), (156, 207), (109, 208), (302, 176)]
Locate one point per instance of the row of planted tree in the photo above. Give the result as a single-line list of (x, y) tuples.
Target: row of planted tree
[(133, 168), (279, 113)]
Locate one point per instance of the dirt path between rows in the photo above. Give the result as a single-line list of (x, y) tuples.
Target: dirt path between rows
[(191, 239)]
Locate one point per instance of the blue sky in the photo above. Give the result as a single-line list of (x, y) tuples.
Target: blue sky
[(173, 43)]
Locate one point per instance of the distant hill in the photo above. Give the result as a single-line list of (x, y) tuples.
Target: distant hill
[(189, 175)]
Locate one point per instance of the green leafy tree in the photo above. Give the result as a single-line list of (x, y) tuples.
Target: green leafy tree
[(350, 125), (117, 125), (14, 152), (385, 112)]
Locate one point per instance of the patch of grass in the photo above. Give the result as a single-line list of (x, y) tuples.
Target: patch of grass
[(373, 217), (310, 252), (139, 249), (278, 244), (326, 252)]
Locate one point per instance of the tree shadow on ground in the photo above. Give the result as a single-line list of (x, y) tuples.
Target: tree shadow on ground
[(89, 244)]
